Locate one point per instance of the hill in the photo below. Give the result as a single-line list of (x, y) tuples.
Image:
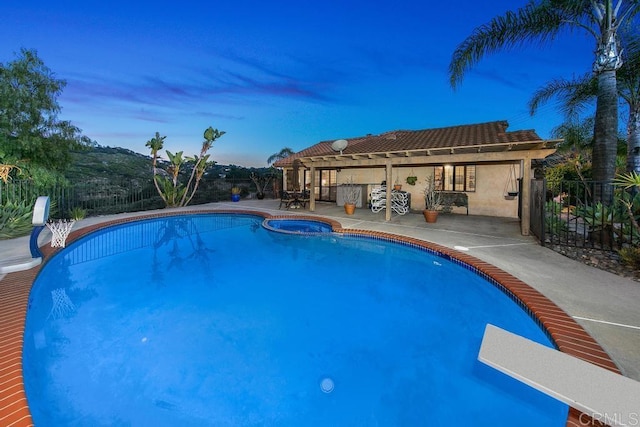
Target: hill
[(109, 163), (121, 164)]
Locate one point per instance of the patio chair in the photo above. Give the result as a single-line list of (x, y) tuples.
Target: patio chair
[(286, 199), (305, 197)]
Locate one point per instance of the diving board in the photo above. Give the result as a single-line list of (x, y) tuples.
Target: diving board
[(602, 394)]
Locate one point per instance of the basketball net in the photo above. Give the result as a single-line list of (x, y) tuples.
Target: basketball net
[(60, 230)]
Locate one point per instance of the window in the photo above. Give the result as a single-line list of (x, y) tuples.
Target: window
[(455, 178)]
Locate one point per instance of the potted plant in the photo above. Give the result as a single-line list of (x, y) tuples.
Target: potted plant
[(351, 195), (396, 185), (411, 180), (432, 201), (235, 194), (261, 182)]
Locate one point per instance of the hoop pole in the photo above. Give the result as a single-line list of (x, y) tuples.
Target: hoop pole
[(33, 242)]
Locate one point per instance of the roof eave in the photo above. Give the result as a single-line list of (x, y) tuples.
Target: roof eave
[(497, 147)]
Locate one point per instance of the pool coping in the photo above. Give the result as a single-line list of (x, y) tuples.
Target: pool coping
[(568, 336)]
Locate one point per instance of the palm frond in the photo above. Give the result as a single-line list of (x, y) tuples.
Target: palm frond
[(627, 180), (572, 95), (282, 154), (532, 23)]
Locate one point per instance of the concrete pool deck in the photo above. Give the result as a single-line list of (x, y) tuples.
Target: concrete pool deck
[(604, 304)]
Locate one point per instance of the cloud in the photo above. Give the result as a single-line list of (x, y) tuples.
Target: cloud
[(511, 79), (238, 81), (148, 116), (217, 115)]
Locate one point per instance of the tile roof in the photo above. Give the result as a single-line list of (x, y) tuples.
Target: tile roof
[(471, 135)]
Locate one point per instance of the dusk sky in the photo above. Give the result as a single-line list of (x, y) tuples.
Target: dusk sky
[(280, 73)]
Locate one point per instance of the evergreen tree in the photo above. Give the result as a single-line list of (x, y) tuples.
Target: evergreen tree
[(31, 135)]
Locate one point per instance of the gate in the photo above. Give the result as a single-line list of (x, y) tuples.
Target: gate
[(537, 204)]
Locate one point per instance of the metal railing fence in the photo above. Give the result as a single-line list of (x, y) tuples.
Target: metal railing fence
[(105, 196), (576, 213)]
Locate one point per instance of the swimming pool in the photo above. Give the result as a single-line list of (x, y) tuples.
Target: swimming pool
[(212, 319)]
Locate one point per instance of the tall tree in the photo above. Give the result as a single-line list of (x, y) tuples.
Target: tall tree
[(542, 21), (573, 95), (30, 133), (629, 89)]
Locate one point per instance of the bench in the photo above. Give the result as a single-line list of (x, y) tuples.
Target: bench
[(454, 198)]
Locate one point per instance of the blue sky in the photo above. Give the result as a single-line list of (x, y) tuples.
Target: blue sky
[(278, 74)]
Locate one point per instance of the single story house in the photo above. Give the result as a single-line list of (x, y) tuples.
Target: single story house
[(480, 165)]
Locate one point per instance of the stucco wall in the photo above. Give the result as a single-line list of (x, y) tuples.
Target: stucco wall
[(488, 199)]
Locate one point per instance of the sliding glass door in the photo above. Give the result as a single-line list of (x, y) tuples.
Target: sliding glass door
[(325, 185)]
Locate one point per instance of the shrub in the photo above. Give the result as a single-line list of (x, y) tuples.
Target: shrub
[(77, 213), (630, 256)]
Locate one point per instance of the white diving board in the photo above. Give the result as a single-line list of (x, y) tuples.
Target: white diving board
[(602, 394)]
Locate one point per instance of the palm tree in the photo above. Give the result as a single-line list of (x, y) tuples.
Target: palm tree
[(576, 135), (282, 154), (575, 150), (629, 83), (542, 21), (574, 94)]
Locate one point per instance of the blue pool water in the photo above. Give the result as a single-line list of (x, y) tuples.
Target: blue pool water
[(214, 320)]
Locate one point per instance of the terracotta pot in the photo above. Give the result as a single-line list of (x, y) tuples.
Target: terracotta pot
[(397, 187), (349, 208), (430, 216)]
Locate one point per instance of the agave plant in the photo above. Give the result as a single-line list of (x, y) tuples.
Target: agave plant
[(628, 181), (15, 220), (597, 215), (630, 199)]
